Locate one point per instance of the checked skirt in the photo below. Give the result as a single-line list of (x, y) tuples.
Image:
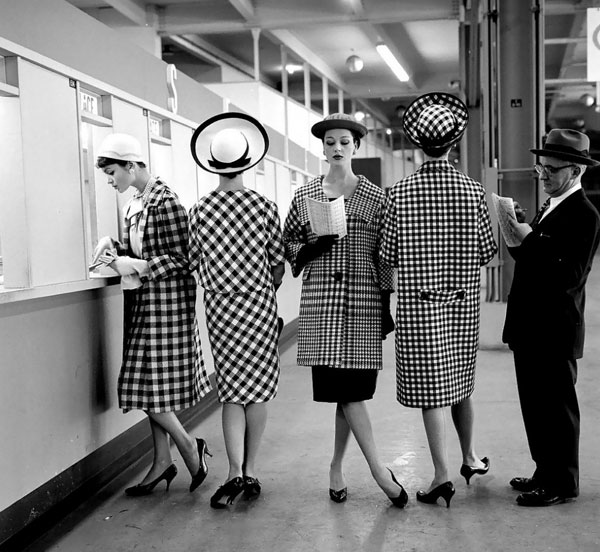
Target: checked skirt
[(242, 329)]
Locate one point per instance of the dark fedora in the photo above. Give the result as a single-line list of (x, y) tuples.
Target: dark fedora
[(568, 145), (229, 143), (435, 121), (338, 120)]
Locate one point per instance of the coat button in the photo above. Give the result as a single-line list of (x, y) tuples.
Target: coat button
[(337, 276)]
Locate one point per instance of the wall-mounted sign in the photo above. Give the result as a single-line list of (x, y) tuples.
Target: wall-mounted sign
[(593, 44), (516, 102), (155, 126), (89, 102)]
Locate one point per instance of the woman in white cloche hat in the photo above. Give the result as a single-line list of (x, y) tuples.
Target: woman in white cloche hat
[(162, 370)]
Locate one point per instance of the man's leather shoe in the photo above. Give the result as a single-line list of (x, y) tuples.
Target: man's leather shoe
[(524, 484), (540, 497)]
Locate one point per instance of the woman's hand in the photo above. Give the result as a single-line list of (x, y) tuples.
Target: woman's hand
[(103, 244), (311, 251), (125, 265), (387, 320)]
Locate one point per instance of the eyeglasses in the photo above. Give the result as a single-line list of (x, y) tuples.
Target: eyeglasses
[(549, 169)]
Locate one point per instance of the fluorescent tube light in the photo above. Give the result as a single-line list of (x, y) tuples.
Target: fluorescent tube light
[(392, 62)]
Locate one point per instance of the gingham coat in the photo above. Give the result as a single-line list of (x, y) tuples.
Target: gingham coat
[(162, 368), (235, 242), (437, 231), (340, 305)]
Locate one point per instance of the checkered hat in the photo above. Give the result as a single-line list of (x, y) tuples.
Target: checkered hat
[(436, 120), (229, 143)]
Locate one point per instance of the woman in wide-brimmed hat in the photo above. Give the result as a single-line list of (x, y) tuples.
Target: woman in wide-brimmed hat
[(162, 369), (237, 248), (344, 306), (437, 231)]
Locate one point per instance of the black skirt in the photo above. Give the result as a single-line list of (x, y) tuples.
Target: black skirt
[(342, 385)]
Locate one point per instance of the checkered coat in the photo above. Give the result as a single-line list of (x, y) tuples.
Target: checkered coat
[(162, 368), (340, 305), (235, 242), (437, 231)]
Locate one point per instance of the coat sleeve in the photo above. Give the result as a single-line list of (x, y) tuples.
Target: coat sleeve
[(171, 245), (384, 270), (487, 244), (194, 249), (388, 234), (566, 255), (293, 236), (275, 247)]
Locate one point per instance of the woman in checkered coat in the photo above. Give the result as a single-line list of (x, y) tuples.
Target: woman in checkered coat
[(237, 248), (344, 306), (437, 231), (162, 369)]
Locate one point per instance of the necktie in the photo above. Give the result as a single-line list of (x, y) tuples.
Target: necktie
[(540, 213)]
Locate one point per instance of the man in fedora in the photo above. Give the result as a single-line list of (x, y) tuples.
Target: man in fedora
[(437, 231), (544, 324)]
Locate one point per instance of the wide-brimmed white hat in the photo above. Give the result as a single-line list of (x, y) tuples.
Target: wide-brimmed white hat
[(122, 147), (229, 143), (436, 120)]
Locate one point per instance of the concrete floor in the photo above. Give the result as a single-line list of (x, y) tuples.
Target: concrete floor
[(294, 512)]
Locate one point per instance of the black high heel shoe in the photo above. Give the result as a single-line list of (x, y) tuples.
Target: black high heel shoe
[(231, 489), (203, 468), (339, 496), (445, 490), (252, 487), (467, 471), (400, 500), (141, 490)]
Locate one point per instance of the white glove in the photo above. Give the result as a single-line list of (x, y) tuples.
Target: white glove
[(125, 265), (103, 244)]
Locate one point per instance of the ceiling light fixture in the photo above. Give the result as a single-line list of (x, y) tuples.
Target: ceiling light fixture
[(392, 62), (292, 68), (359, 115), (354, 63)]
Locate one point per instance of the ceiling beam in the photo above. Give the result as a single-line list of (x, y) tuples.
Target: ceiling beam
[(134, 10), (244, 7), (198, 25), (204, 50)]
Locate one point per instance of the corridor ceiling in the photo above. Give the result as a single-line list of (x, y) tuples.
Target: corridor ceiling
[(198, 36)]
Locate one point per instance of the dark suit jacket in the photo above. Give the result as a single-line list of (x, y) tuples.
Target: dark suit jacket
[(547, 297)]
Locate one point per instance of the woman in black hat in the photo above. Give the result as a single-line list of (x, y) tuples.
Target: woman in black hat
[(237, 248), (344, 306), (437, 231)]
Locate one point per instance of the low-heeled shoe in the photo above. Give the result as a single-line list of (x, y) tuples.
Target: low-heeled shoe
[(541, 497)]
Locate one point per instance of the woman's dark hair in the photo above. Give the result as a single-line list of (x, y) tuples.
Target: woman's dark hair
[(106, 161), (434, 152)]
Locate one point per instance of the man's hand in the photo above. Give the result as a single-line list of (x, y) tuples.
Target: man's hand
[(520, 229), (519, 212)]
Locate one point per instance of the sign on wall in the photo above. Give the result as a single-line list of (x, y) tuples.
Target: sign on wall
[(593, 44)]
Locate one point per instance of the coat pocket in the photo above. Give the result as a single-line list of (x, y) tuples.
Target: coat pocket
[(442, 296)]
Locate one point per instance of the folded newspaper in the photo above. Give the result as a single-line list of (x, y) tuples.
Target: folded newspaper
[(327, 217), (505, 210)]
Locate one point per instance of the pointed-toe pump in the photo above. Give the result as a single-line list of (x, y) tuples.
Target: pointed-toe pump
[(142, 490), (467, 471), (400, 500), (339, 496), (230, 490), (252, 487), (445, 490), (203, 468)]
